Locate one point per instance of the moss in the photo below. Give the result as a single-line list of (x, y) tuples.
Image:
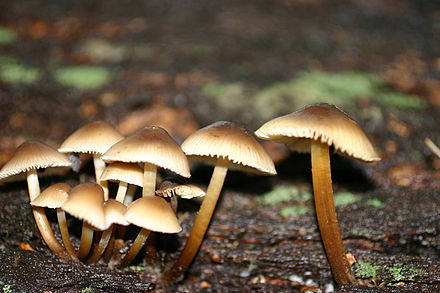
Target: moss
[(7, 36), (375, 202), (283, 194), (12, 71), (86, 290), (365, 270), (360, 232), (82, 77), (405, 272), (294, 211), (345, 198), (6, 288)]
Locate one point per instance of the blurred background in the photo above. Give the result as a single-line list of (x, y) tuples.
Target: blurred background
[(184, 64)]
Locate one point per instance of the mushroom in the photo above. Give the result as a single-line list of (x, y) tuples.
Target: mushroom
[(152, 213), (54, 197), (153, 147), (228, 146), (170, 189), (28, 157), (94, 138), (313, 129), (86, 202), (114, 214)]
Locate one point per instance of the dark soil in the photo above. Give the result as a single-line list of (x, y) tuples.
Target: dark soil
[(249, 247)]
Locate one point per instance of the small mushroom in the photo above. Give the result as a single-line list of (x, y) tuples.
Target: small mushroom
[(153, 147), (94, 138), (227, 146), (170, 189), (313, 129), (28, 157), (86, 202), (54, 197), (151, 213)]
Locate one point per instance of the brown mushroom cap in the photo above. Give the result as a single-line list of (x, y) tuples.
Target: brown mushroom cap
[(114, 212), (33, 155), (52, 197), (168, 189), (153, 213), (323, 122), (228, 141), (152, 145), (86, 202), (125, 172), (94, 138)]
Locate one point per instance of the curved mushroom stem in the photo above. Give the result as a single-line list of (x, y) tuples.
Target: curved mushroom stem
[(130, 194), (201, 224), (61, 215), (103, 242), (149, 186), (136, 247), (41, 219), (99, 168), (122, 191), (86, 240), (326, 214)]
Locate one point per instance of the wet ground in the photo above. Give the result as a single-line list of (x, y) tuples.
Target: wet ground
[(185, 64)]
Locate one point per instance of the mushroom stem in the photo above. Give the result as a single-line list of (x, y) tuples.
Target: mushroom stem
[(122, 190), (136, 247), (103, 242), (326, 214), (61, 215), (149, 183), (99, 168), (130, 194), (201, 223), (41, 219), (86, 240)]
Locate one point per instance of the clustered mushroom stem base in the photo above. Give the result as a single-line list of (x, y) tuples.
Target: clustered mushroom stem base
[(103, 242), (326, 214), (136, 247), (64, 230), (41, 219), (201, 223), (99, 168), (86, 240)]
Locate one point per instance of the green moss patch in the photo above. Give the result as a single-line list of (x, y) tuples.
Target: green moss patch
[(365, 270), (294, 211), (375, 203), (284, 194), (13, 71), (82, 77), (405, 272), (345, 198), (7, 36)]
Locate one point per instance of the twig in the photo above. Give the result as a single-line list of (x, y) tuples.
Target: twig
[(432, 146)]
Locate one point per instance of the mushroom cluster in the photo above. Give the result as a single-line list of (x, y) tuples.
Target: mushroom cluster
[(133, 162)]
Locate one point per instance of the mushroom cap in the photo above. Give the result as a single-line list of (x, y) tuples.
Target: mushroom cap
[(125, 172), (114, 212), (86, 202), (33, 154), (227, 140), (168, 189), (322, 122), (150, 145), (153, 213), (52, 197), (94, 138)]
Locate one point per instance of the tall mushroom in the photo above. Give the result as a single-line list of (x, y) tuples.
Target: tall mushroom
[(54, 197), (227, 146), (94, 138), (153, 147), (313, 129), (86, 202), (28, 157)]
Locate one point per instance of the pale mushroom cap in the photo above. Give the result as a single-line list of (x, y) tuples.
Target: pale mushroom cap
[(322, 122), (187, 191), (33, 155), (94, 138), (114, 212), (228, 141), (52, 197), (153, 213), (125, 172), (151, 145), (86, 202)]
